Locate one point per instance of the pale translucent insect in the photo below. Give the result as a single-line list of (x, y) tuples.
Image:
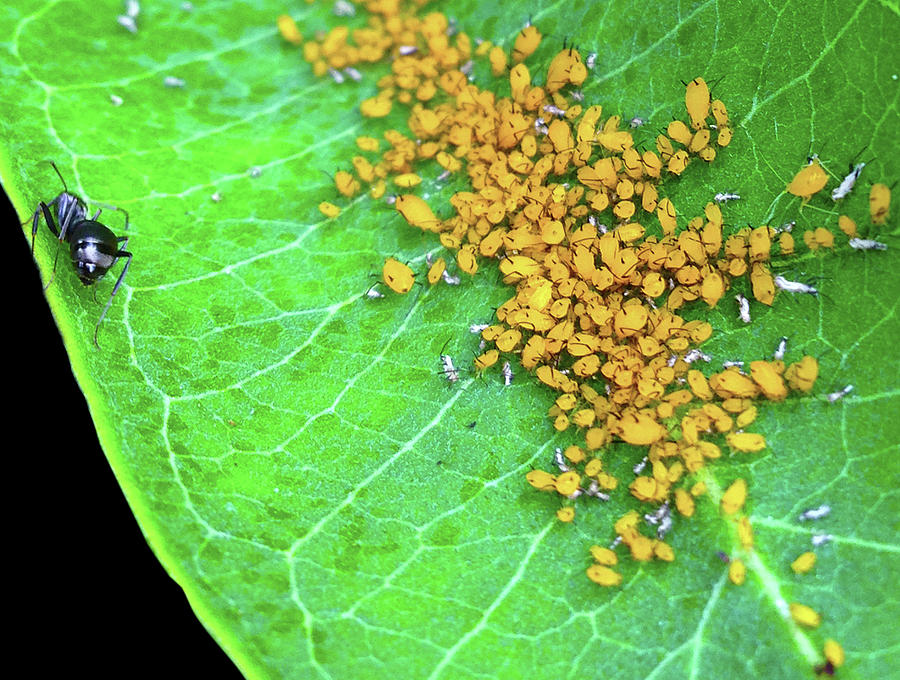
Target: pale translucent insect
[(846, 185), (820, 539), (406, 50), (724, 197), (127, 22), (342, 8), (696, 354), (593, 490), (216, 197), (559, 460), (840, 394), (449, 370), (789, 286), (132, 8), (732, 364), (779, 351), (507, 374), (815, 513), (353, 74), (554, 110), (788, 227), (255, 171), (477, 327), (449, 279), (866, 244), (661, 519), (591, 60), (637, 122), (116, 100), (336, 75), (743, 308), (466, 68), (172, 81), (577, 95), (639, 468)]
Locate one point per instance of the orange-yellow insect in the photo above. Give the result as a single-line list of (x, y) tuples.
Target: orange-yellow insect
[(397, 276), (526, 43), (288, 29), (879, 203), (810, 180), (696, 99)]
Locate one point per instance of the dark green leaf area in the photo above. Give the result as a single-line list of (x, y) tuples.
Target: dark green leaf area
[(331, 504)]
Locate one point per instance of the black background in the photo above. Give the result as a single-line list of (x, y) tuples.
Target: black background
[(87, 590)]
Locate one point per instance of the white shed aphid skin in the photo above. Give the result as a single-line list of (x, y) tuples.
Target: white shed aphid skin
[(696, 354), (342, 8), (554, 110), (352, 73), (116, 100), (449, 279), (507, 374), (866, 244), (443, 177), (255, 171), (373, 293), (789, 286), (732, 364), (846, 185), (466, 69), (815, 513), (639, 468), (724, 197), (661, 519), (132, 8), (216, 197), (406, 50), (820, 539), (477, 327), (577, 95), (779, 351), (593, 491), (840, 394), (172, 81), (559, 460), (615, 542), (540, 126), (187, 6), (336, 75), (743, 307), (591, 60), (637, 122), (127, 22), (448, 369), (788, 227)]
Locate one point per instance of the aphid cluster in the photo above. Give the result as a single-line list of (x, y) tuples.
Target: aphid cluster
[(593, 305)]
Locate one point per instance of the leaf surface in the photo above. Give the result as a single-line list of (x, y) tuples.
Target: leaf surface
[(288, 446)]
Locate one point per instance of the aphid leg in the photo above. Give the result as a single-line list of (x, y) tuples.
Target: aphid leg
[(120, 253)]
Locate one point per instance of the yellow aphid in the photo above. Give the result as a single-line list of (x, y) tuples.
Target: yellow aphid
[(723, 139), (848, 226), (762, 283), (603, 576), (737, 572), (663, 551), (541, 480), (417, 212), (288, 29), (786, 243), (604, 556), (696, 99), (466, 260), (436, 271), (367, 143), (684, 503), (565, 68), (834, 653), (665, 212), (734, 497), (879, 203), (526, 43), (680, 132), (770, 382), (746, 442), (720, 113), (640, 429), (802, 375), (346, 184), (497, 57), (698, 489), (566, 514), (810, 180), (805, 616), (407, 180), (519, 82), (699, 141), (486, 360), (567, 483), (397, 276), (641, 548), (329, 209), (804, 563), (678, 162), (375, 107), (745, 533)]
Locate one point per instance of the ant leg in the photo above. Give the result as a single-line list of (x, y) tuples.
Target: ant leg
[(51, 225), (122, 210), (121, 253)]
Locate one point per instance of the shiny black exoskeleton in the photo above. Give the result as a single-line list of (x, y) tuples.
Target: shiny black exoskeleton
[(93, 247)]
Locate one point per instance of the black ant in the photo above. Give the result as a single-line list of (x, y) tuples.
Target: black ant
[(94, 248)]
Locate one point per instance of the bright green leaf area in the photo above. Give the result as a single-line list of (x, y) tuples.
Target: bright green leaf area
[(292, 453)]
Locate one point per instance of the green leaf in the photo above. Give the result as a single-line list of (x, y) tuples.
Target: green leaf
[(288, 446)]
